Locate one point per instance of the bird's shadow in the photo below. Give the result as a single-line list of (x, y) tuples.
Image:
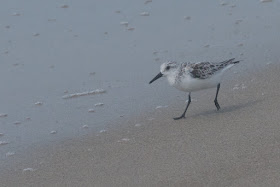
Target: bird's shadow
[(227, 108)]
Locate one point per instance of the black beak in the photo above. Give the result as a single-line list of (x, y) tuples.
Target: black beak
[(156, 77)]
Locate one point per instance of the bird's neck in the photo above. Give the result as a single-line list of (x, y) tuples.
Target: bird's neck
[(171, 78)]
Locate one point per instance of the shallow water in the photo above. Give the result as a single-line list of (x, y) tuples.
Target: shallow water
[(50, 49)]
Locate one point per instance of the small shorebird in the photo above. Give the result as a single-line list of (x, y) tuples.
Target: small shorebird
[(190, 77)]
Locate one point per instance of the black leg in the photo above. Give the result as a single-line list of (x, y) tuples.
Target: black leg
[(183, 115), (216, 98)]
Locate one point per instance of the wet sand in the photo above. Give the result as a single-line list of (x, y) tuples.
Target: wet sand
[(237, 146)]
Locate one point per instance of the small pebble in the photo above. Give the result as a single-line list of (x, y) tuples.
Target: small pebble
[(236, 87), (1, 134), (144, 14), (155, 52), (3, 115), (266, 1), (157, 59), (187, 17), (131, 29), (243, 86), (85, 126), (36, 34), (118, 11), (148, 1), (3, 142), (102, 131), (38, 103), (158, 107), (92, 73), (124, 23), (16, 14), (64, 6), (28, 170), (99, 104), (91, 110), (124, 140), (51, 20), (53, 132), (17, 122), (10, 154), (238, 21)]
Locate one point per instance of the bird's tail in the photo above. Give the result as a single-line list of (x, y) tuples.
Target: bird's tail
[(231, 61), (235, 62)]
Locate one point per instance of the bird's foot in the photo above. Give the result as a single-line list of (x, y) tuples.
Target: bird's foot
[(183, 116), (217, 105)]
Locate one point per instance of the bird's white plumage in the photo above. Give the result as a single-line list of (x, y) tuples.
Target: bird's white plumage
[(190, 77)]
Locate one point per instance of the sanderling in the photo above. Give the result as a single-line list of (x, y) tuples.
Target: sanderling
[(190, 77)]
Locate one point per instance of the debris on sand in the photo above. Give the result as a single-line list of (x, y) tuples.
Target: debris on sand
[(158, 107), (93, 92), (28, 170), (36, 34), (124, 140), (3, 142), (125, 23), (2, 115), (91, 110), (240, 45), (38, 103), (99, 104), (131, 29), (144, 14), (10, 154), (266, 1), (148, 1), (64, 6), (17, 122), (187, 18), (16, 14)]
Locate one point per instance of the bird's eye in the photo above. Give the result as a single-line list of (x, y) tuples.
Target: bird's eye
[(167, 67)]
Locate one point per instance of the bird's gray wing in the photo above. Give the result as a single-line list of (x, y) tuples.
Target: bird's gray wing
[(204, 70)]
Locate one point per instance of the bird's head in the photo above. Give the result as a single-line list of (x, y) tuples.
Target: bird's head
[(166, 69)]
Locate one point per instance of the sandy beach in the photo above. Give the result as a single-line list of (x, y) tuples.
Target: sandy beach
[(237, 146)]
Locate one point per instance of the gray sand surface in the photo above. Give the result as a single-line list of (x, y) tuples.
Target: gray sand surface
[(237, 146)]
